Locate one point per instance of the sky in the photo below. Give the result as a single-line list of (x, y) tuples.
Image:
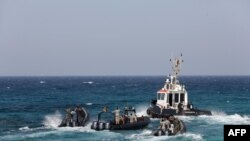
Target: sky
[(124, 37)]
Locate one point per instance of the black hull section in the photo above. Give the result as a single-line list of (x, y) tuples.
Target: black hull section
[(160, 132), (133, 126), (155, 112), (128, 126)]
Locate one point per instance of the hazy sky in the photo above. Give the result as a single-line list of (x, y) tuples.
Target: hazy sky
[(129, 37)]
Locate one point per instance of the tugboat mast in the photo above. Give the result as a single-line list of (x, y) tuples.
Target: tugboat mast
[(176, 68), (176, 65)]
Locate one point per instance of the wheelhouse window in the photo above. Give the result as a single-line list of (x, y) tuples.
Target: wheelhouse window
[(162, 96), (182, 97), (158, 96), (176, 98)]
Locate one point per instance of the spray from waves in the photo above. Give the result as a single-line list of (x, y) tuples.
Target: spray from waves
[(24, 128), (141, 110), (219, 117), (53, 120), (89, 104), (146, 135), (85, 129)]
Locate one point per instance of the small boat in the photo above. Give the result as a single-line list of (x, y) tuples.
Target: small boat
[(172, 99), (75, 117), (176, 127), (124, 123)]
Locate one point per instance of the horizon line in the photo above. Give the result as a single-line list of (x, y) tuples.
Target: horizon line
[(199, 75)]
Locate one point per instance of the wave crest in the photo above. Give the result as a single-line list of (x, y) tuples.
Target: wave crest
[(52, 120), (219, 117)]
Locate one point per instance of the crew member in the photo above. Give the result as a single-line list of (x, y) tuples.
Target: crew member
[(131, 118), (117, 115), (180, 107), (134, 117), (162, 125)]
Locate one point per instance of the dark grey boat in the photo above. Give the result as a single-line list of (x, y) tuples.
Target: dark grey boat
[(176, 127), (75, 117), (140, 123)]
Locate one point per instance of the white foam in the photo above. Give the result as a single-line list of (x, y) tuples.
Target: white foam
[(53, 120), (85, 129), (192, 136), (141, 110), (140, 136), (88, 82), (24, 128), (223, 118), (89, 103), (146, 135), (42, 82), (219, 117)]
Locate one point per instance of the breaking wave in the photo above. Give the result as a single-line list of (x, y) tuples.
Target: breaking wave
[(219, 117), (146, 135), (141, 110), (53, 120), (24, 128), (88, 82)]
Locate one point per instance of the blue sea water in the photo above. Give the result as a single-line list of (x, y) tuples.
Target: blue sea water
[(31, 108)]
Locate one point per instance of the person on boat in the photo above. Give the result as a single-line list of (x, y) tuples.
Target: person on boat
[(162, 125), (123, 119), (68, 116), (131, 118), (167, 123), (161, 109), (171, 120), (176, 124), (190, 105), (72, 113), (80, 114), (117, 115), (134, 117), (180, 107)]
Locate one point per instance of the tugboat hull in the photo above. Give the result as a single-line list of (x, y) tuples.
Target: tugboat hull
[(155, 112)]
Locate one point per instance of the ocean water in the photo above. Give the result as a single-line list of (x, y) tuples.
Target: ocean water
[(31, 108)]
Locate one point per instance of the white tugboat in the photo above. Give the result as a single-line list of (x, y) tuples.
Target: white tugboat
[(172, 99)]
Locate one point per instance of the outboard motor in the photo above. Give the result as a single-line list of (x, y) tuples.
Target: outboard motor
[(67, 123), (159, 132), (107, 125), (73, 124), (101, 126), (94, 125)]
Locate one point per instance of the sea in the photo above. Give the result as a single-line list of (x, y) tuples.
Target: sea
[(31, 108)]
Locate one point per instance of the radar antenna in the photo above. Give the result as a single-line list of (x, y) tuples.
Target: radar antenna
[(176, 65)]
